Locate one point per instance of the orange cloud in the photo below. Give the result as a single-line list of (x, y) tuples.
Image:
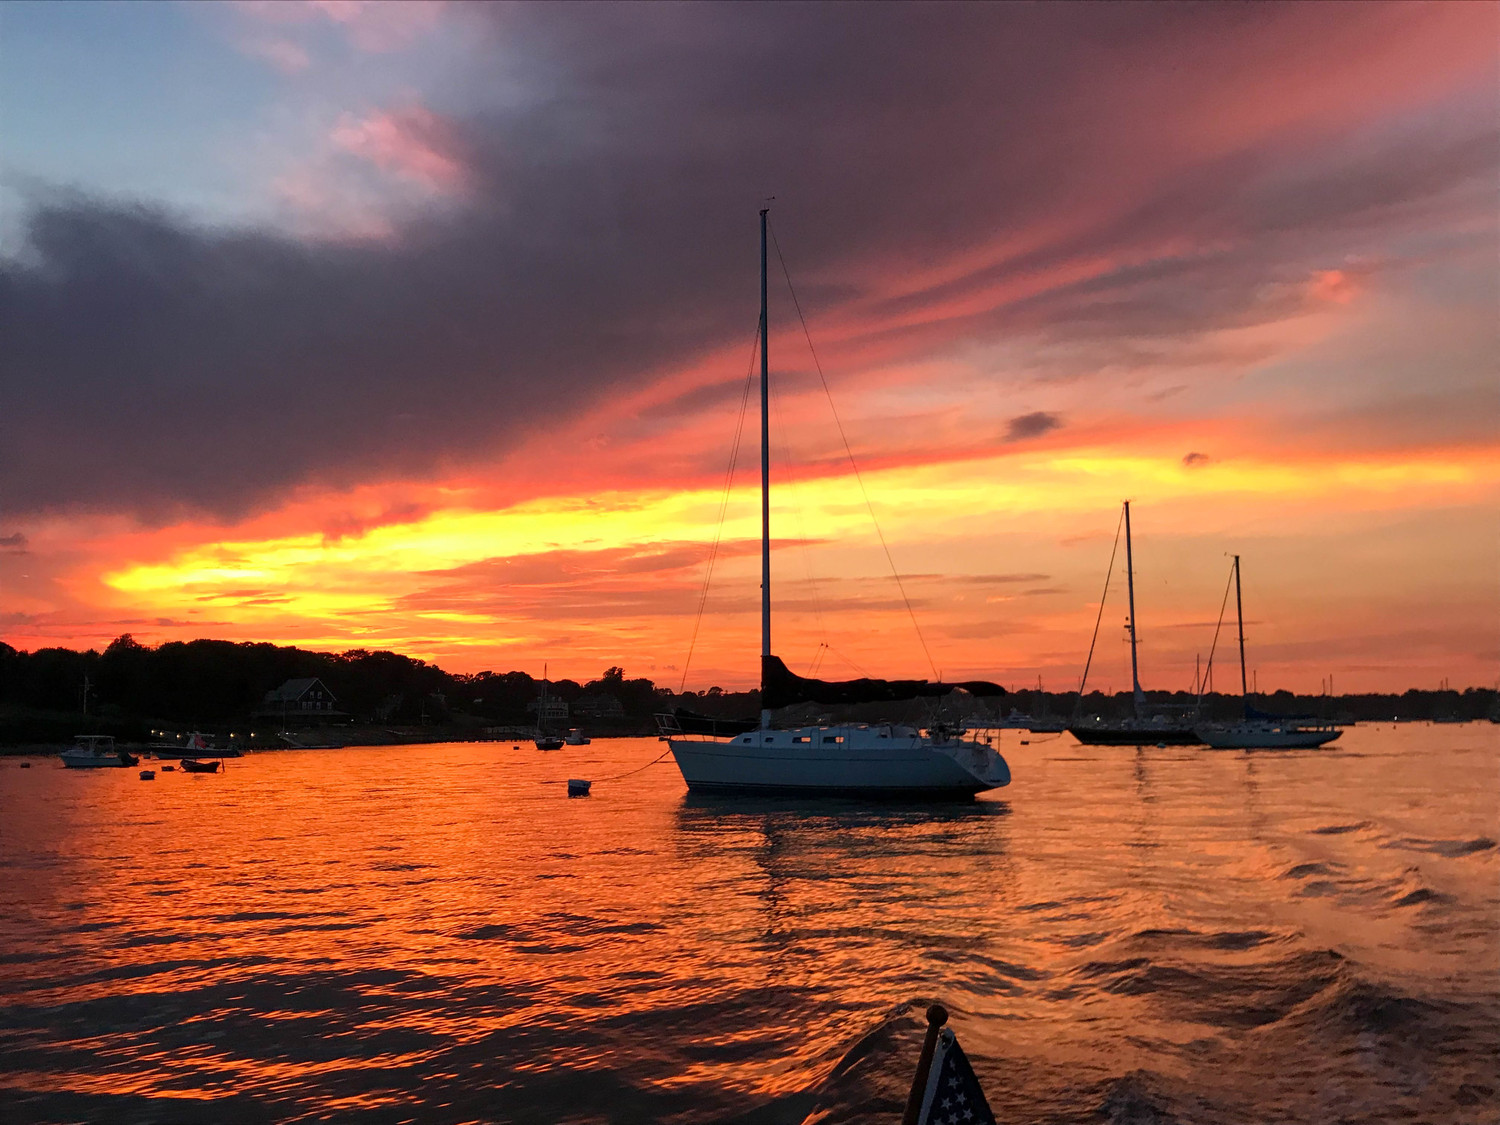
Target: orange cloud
[(1003, 555), (1332, 285)]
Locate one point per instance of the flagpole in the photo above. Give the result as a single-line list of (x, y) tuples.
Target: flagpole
[(937, 1015)]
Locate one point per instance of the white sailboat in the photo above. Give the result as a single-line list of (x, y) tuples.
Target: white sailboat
[(849, 759), (1259, 731)]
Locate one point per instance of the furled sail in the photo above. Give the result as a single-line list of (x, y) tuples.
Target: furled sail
[(783, 687)]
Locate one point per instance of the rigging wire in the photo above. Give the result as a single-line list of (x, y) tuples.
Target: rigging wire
[(1108, 574), (618, 776), (850, 453), (1209, 667), (817, 660), (849, 660), (734, 455), (638, 769)]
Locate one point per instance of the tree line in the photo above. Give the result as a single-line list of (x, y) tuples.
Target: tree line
[(210, 684), (130, 688)]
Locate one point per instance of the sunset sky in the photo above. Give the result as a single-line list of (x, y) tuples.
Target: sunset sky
[(426, 327)]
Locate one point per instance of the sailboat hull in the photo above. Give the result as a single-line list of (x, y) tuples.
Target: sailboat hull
[(1252, 736), (839, 762)]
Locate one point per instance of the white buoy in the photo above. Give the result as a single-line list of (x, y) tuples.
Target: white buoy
[(578, 787)]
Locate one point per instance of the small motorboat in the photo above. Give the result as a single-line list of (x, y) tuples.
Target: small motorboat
[(191, 765), (549, 742), (576, 737), (94, 751)]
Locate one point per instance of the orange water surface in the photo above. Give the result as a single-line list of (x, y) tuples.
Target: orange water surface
[(439, 934)]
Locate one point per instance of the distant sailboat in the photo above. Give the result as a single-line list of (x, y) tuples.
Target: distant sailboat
[(542, 739), (1141, 728), (843, 759), (1258, 730)]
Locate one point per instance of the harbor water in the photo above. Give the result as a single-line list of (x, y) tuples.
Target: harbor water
[(439, 934)]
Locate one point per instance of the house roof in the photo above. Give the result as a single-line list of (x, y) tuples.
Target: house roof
[(293, 690)]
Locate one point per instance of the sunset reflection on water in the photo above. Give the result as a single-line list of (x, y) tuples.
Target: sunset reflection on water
[(437, 933)]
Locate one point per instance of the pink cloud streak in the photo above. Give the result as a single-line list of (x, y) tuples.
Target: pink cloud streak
[(374, 27), (413, 143)]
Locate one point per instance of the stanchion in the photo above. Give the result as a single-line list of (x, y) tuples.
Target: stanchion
[(937, 1015)]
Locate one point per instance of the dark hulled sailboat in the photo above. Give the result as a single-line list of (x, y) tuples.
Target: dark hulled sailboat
[(1142, 728)]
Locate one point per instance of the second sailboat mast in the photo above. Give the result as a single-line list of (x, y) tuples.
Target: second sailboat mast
[(765, 479), (1135, 672), (1239, 613)]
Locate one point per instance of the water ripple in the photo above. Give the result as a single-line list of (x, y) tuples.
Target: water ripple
[(1131, 937)]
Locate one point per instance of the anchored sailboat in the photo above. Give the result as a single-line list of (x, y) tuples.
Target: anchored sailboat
[(852, 759), (1258, 730), (1141, 728), (543, 739)]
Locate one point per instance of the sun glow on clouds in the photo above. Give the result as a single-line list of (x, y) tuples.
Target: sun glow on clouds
[(413, 142), (575, 580), (372, 171), (1240, 276)]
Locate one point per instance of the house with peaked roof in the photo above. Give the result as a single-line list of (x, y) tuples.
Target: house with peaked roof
[(306, 699), (557, 709), (600, 705)]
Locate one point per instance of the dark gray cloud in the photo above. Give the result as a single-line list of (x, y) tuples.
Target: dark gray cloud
[(153, 366), (1193, 460), (1031, 425), (14, 543)]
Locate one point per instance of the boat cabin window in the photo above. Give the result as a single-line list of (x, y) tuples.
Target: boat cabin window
[(801, 738), (833, 738)]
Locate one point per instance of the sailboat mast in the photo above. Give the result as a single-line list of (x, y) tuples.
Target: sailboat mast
[(541, 710), (1239, 613), (1135, 672), (765, 480)]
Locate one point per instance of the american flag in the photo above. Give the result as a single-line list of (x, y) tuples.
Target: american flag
[(953, 1096)]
